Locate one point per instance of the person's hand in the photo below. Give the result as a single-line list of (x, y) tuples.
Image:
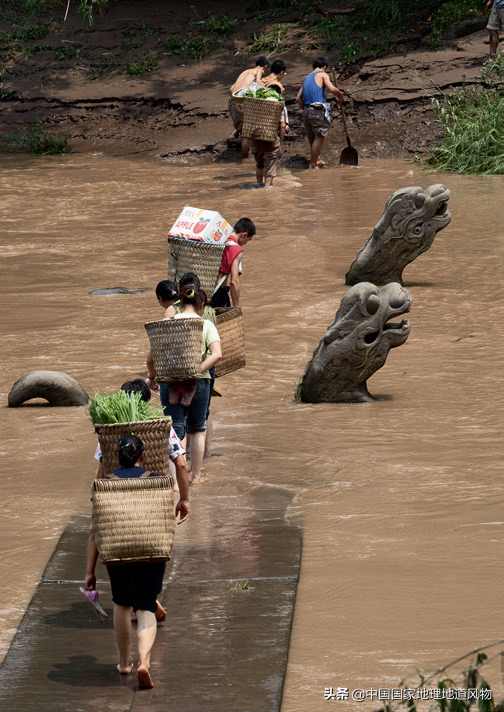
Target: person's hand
[(183, 509), (152, 384), (489, 5), (90, 582)]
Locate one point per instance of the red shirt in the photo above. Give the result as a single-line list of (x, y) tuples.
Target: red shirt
[(229, 255)]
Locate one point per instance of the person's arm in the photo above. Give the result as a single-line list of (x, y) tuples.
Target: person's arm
[(281, 132), (234, 281), (489, 5), (92, 558), (100, 472), (215, 356), (170, 312), (151, 374), (330, 87), (182, 476), (299, 99)]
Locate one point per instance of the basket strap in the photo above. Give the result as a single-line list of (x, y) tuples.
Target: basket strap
[(115, 477)]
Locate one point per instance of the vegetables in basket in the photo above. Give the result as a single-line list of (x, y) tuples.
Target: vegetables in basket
[(121, 407), (266, 93)]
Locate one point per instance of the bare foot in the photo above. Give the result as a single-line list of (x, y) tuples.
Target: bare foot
[(160, 613), (144, 678), (207, 455), (320, 162), (125, 669)]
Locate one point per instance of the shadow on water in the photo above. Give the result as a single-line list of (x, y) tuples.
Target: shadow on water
[(80, 615)]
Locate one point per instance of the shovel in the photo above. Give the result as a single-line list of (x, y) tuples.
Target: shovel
[(349, 156)]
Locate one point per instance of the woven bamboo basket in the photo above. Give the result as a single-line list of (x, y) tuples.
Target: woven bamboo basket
[(155, 435), (176, 348), (201, 258), (133, 519), (261, 118), (229, 323)]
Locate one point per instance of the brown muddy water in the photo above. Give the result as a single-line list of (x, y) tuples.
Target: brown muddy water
[(401, 500)]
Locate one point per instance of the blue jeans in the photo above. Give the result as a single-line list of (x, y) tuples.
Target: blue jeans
[(194, 414)]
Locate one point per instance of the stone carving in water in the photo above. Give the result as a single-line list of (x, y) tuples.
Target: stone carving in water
[(408, 226), (356, 344)]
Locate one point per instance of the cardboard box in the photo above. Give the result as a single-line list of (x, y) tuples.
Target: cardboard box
[(201, 225)]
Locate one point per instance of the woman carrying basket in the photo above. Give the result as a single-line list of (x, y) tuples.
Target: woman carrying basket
[(189, 411), (135, 587)]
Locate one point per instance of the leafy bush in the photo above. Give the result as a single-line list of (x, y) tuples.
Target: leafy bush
[(142, 65), (350, 50), (35, 140), (473, 119), (270, 40), (449, 13)]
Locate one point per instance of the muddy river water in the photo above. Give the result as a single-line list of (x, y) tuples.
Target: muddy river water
[(401, 501)]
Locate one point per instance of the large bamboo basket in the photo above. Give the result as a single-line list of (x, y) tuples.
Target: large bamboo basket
[(155, 435), (261, 118), (229, 323), (176, 348), (201, 258), (133, 519)]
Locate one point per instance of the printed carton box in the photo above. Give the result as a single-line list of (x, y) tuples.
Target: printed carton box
[(201, 225)]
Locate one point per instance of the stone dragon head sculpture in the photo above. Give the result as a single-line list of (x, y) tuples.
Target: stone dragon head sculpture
[(408, 226), (356, 344)]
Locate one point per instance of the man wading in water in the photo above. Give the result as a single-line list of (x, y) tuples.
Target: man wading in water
[(244, 80), (311, 98)]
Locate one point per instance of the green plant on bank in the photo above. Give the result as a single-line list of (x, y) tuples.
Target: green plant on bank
[(271, 39), (121, 407), (473, 120), (350, 50), (450, 13), (241, 586), (460, 692), (84, 8), (297, 393), (197, 45), (128, 46), (34, 140)]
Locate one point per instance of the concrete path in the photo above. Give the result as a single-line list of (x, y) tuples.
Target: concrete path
[(221, 647)]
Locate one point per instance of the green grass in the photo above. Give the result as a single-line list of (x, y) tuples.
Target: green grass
[(271, 39), (473, 120), (35, 140), (449, 14), (142, 65)]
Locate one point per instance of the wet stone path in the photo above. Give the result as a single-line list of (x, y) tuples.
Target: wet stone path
[(221, 647)]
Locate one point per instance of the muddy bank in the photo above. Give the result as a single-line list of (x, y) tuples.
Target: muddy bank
[(80, 81)]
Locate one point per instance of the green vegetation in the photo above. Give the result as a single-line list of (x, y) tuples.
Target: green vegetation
[(142, 65), (83, 8), (197, 45), (121, 407), (271, 39), (473, 120), (267, 93), (34, 140), (450, 13), (241, 586), (451, 694)]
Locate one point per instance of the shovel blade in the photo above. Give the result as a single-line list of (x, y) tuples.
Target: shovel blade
[(349, 157)]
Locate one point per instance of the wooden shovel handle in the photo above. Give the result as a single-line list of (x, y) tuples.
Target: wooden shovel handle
[(341, 108)]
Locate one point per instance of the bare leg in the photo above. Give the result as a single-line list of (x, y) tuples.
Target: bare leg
[(146, 633), (315, 150), (245, 147), (122, 629), (268, 182), (208, 439), (494, 42), (259, 175), (197, 450)]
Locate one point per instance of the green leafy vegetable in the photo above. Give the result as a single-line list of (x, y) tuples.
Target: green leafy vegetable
[(121, 407), (265, 93)]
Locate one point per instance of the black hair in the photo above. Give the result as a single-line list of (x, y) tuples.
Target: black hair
[(276, 88), (166, 290), (245, 225), (137, 386), (319, 63), (262, 61), (278, 66), (193, 295), (189, 278), (129, 450)]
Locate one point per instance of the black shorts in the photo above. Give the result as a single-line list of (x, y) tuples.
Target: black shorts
[(137, 585), (221, 298)]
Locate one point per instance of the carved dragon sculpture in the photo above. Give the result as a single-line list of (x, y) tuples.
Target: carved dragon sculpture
[(408, 226), (356, 344)]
